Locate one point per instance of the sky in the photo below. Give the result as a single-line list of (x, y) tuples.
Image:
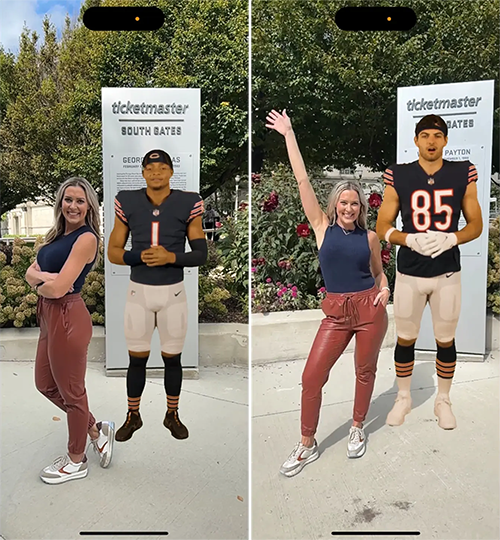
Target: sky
[(15, 13)]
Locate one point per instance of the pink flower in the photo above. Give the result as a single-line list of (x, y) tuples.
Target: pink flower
[(388, 246), (294, 288), (256, 178), (294, 294), (285, 264), (218, 224), (386, 256), (278, 283), (280, 293), (322, 290), (375, 200), (254, 269), (269, 280), (290, 285), (303, 230), (271, 203)]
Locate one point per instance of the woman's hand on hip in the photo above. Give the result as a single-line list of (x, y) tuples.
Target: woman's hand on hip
[(383, 297), (280, 122)]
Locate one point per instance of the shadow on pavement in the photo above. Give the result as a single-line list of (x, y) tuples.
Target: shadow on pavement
[(380, 406)]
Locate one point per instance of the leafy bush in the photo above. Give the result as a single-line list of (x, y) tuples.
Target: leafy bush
[(494, 267), (234, 250)]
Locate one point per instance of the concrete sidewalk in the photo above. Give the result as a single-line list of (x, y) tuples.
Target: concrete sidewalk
[(417, 477), (192, 489)]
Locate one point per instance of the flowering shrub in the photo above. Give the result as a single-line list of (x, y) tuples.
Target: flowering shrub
[(18, 300), (270, 296), (303, 230), (271, 203), (375, 200), (212, 294), (218, 297), (93, 294), (284, 248)]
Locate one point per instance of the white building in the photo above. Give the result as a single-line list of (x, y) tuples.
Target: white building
[(30, 219)]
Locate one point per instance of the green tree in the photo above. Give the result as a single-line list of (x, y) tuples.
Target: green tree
[(29, 128), (341, 87), (52, 126)]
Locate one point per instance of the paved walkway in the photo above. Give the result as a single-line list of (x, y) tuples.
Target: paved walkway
[(192, 489), (417, 477)]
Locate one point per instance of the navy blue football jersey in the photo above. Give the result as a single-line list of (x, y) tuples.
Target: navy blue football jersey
[(165, 225), (430, 202)]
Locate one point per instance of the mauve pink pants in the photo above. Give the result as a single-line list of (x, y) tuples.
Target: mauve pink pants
[(347, 314), (61, 362)]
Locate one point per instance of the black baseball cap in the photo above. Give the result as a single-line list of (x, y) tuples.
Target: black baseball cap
[(431, 121), (157, 156)]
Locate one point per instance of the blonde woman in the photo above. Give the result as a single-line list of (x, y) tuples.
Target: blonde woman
[(70, 250), (357, 294)]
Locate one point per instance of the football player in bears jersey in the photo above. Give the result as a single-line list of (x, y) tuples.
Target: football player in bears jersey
[(430, 193), (159, 219)]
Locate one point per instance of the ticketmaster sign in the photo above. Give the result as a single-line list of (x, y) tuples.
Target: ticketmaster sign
[(467, 108), (134, 121)]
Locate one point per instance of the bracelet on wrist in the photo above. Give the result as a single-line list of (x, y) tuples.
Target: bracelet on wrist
[(387, 288)]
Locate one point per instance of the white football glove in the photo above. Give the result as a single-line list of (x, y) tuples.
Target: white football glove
[(419, 242), (440, 242)]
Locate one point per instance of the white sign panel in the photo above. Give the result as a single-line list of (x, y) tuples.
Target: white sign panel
[(135, 121), (467, 108)]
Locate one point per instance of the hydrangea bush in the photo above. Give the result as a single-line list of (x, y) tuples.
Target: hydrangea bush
[(18, 300), (219, 297)]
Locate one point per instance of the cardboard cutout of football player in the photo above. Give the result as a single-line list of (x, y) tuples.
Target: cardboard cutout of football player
[(430, 193), (159, 219)]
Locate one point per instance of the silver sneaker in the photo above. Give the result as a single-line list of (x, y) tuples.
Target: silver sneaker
[(356, 444), (103, 446), (63, 469), (299, 458)]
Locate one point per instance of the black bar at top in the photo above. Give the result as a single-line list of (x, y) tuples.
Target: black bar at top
[(375, 18), (123, 18)]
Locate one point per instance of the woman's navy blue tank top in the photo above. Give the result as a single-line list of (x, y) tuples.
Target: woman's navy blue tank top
[(345, 260), (52, 257)]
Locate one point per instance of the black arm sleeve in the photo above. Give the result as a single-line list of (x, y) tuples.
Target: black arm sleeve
[(196, 257), (132, 258)]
